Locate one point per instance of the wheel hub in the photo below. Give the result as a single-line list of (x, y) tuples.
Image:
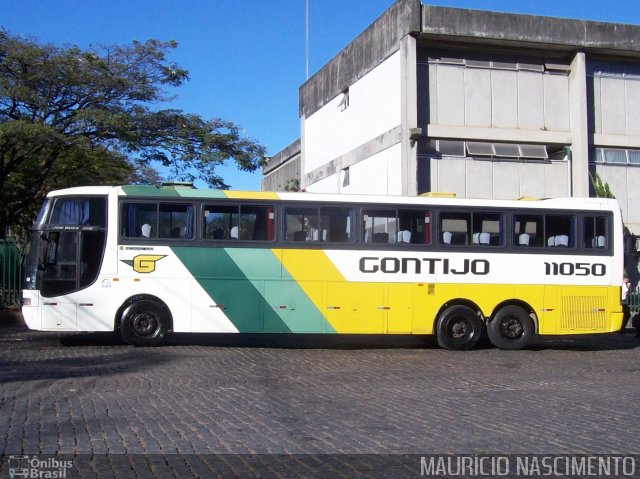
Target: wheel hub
[(144, 325), (459, 329), (511, 328)]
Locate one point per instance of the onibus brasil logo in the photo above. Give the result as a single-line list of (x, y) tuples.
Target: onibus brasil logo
[(36, 467), (144, 263)]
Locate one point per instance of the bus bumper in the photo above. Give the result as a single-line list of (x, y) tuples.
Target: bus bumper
[(30, 309)]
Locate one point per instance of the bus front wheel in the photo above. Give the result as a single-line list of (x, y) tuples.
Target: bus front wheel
[(144, 323), (511, 328), (459, 328)]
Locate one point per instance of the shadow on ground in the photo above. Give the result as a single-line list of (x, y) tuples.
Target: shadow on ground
[(12, 320)]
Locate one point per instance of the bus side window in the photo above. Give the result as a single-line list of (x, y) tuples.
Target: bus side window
[(487, 229), (380, 226), (528, 230), (219, 220), (457, 226), (559, 231), (175, 220), (156, 220), (300, 223), (139, 220), (80, 211), (335, 225), (239, 222), (414, 227), (256, 223), (595, 232)]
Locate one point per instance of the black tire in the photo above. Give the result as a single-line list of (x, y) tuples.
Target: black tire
[(144, 323), (511, 328), (459, 328)]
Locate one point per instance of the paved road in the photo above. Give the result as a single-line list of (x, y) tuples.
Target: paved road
[(196, 405)]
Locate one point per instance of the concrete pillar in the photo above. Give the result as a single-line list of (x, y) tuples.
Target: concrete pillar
[(409, 115), (579, 179), (303, 168)]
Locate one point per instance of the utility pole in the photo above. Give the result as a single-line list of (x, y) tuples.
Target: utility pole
[(307, 38)]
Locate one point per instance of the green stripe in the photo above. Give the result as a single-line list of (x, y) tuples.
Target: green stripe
[(282, 294), (249, 283), (171, 192)]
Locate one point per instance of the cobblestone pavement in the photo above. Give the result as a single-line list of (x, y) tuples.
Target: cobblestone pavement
[(323, 399)]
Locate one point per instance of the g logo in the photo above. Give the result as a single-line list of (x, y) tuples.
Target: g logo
[(144, 263)]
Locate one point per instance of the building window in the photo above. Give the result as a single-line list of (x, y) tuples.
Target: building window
[(597, 68), (508, 62), (345, 177), (439, 148), (442, 148), (344, 101), (617, 156), (506, 150), (475, 148), (533, 151), (451, 148)]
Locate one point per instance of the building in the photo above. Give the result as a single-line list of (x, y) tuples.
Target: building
[(482, 104)]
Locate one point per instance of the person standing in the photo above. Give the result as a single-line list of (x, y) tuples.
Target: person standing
[(626, 312)]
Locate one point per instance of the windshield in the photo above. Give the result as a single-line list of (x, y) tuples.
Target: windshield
[(42, 214), (31, 261), (67, 245)]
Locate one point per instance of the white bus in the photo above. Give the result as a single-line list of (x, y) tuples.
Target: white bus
[(147, 260)]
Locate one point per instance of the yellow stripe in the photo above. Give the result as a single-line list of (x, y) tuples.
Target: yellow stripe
[(308, 265), (318, 278), (349, 307), (310, 268), (252, 195), (367, 307)]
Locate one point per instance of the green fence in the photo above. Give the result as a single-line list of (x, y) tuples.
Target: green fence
[(11, 262)]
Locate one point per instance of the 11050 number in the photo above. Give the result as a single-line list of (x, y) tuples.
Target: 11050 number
[(575, 269)]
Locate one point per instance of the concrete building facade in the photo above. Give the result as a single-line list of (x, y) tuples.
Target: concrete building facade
[(482, 104)]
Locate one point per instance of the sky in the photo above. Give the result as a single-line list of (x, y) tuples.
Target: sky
[(247, 59)]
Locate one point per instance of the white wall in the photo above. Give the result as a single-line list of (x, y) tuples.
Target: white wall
[(377, 175), (325, 185), (374, 108)]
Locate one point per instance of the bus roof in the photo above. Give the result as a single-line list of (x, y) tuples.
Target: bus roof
[(184, 192)]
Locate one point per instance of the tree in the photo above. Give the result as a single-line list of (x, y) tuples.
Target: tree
[(601, 188), (70, 117)]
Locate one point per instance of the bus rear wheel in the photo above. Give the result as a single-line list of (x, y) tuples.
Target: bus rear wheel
[(511, 328), (144, 323), (459, 328)]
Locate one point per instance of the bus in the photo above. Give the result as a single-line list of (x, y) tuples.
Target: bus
[(145, 260)]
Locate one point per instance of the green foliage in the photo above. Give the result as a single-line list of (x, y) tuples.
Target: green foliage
[(292, 185), (72, 117), (601, 189)]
